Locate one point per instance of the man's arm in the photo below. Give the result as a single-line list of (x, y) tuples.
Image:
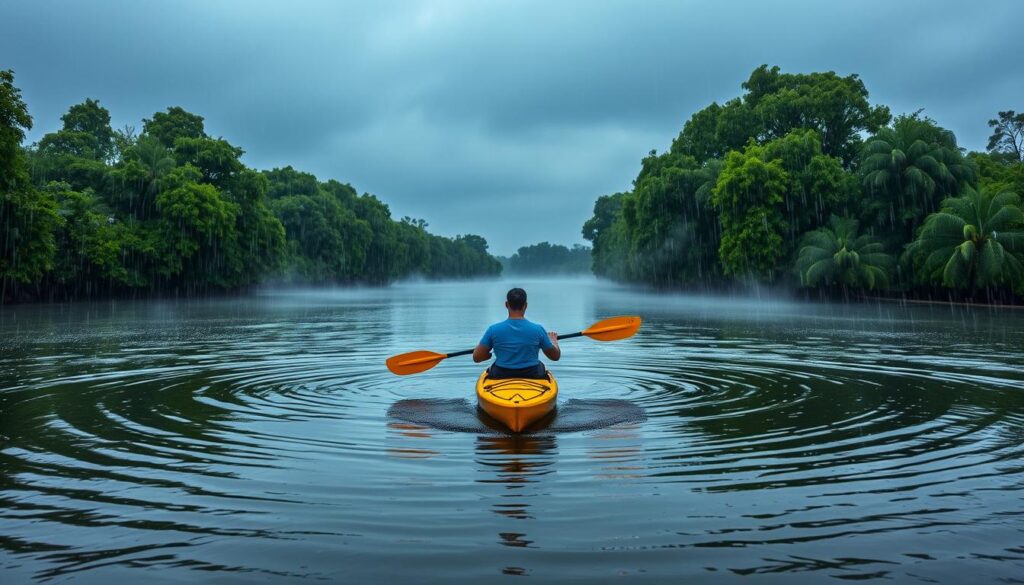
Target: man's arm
[(553, 352), (481, 353)]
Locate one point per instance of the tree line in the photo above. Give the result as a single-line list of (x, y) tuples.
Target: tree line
[(547, 258), (802, 182), (90, 211)]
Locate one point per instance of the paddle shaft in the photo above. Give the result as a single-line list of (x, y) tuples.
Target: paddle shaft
[(469, 351)]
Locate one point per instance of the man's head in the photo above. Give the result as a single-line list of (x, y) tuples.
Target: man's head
[(515, 300)]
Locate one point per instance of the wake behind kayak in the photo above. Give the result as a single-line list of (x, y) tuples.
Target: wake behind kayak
[(460, 415)]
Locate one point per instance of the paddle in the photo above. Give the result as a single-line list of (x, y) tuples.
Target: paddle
[(611, 329)]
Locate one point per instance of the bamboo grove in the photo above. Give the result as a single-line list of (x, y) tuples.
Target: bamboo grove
[(92, 212), (801, 182)]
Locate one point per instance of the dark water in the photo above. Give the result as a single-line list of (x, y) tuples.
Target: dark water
[(247, 440), (572, 415)]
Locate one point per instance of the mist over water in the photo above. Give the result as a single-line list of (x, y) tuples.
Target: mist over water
[(248, 439)]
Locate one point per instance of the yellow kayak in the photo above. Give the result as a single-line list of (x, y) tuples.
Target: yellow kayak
[(516, 402)]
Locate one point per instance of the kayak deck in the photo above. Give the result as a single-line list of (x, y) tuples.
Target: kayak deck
[(516, 402)]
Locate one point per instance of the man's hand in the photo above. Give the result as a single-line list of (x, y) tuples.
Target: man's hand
[(553, 353), (481, 353)]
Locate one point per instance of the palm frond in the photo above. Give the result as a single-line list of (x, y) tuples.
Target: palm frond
[(1013, 268), (965, 207), (917, 150), (1006, 218), (938, 258), (876, 277), (1012, 241), (823, 239), (954, 274), (821, 272), (943, 224)]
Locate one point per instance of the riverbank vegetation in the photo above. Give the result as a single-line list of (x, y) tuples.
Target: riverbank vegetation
[(801, 182), (547, 259), (90, 211)]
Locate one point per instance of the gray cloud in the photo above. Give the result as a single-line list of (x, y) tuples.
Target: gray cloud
[(500, 118)]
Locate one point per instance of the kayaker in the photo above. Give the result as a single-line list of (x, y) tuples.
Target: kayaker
[(516, 342)]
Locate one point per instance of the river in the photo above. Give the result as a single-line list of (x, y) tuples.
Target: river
[(240, 440)]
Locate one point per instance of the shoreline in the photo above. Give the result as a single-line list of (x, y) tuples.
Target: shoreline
[(948, 303)]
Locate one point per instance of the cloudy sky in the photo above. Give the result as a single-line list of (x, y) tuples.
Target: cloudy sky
[(501, 118)]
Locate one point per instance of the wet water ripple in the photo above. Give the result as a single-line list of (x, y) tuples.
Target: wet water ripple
[(263, 439)]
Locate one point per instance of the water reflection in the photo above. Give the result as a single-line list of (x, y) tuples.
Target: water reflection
[(617, 452), (520, 466), (514, 462), (409, 431)]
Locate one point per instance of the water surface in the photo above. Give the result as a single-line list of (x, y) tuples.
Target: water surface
[(242, 440)]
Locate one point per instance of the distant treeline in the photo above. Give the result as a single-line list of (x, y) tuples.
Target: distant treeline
[(90, 211), (801, 182), (547, 258)]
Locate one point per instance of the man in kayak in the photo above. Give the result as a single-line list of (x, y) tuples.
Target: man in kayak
[(516, 342)]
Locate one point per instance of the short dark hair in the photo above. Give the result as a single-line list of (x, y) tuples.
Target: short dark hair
[(516, 299)]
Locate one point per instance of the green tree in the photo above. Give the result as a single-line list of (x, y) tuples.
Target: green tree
[(463, 256), (992, 171), (749, 195), (817, 183), (767, 196), (216, 159), (975, 241), (835, 107), (672, 227), (475, 242), (139, 177), (79, 152), (85, 133), (175, 123), (326, 242), (336, 235), (287, 181), (96, 252), (775, 104), (196, 231), (547, 258), (28, 217), (837, 256), (712, 132), (606, 231), (90, 211), (261, 236), (907, 170), (1008, 136), (155, 159)]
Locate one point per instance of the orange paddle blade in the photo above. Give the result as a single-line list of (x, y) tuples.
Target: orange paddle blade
[(414, 362), (613, 329)]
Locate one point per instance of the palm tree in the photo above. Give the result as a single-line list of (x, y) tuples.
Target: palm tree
[(836, 255), (157, 161), (139, 177), (976, 241), (907, 169)]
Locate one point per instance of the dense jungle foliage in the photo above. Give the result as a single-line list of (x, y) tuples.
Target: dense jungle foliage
[(90, 211), (548, 258), (802, 182)]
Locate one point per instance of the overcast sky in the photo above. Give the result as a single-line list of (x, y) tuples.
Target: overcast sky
[(505, 119)]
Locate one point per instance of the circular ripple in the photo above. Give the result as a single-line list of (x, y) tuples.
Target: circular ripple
[(189, 436)]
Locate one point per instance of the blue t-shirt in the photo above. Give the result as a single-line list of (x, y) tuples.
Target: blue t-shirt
[(516, 342)]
